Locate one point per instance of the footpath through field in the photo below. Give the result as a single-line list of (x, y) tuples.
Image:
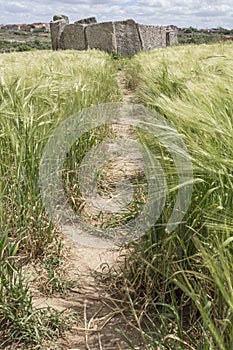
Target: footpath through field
[(100, 315)]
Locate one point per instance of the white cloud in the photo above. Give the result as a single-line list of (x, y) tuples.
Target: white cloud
[(197, 13)]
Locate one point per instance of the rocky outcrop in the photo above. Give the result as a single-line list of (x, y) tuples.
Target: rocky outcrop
[(122, 37)]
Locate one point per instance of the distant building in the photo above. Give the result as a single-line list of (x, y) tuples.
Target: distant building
[(26, 27), (11, 26), (39, 25)]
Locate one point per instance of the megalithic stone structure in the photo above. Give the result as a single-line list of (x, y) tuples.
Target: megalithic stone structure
[(122, 37), (56, 29)]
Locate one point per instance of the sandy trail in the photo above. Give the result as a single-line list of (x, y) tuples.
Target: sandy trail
[(100, 316)]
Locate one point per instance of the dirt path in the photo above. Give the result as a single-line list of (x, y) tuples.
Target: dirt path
[(100, 316)]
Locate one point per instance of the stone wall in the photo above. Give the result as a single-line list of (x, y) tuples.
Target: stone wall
[(123, 37)]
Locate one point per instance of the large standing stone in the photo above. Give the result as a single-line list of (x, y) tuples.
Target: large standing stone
[(152, 36), (101, 36), (89, 20), (172, 37), (73, 37), (56, 29), (127, 37)]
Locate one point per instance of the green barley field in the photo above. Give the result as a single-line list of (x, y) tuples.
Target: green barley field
[(178, 286)]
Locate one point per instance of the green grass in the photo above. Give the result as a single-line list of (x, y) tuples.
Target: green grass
[(192, 88), (180, 284), (20, 322), (38, 90)]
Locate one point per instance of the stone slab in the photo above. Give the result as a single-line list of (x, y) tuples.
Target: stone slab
[(127, 37), (101, 36), (73, 37), (172, 38), (152, 37), (89, 20), (56, 29)]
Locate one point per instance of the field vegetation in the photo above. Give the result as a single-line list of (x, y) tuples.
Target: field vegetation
[(37, 91), (19, 41), (184, 280), (203, 36), (179, 285)]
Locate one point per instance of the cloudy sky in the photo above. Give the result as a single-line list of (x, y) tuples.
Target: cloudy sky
[(183, 13)]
